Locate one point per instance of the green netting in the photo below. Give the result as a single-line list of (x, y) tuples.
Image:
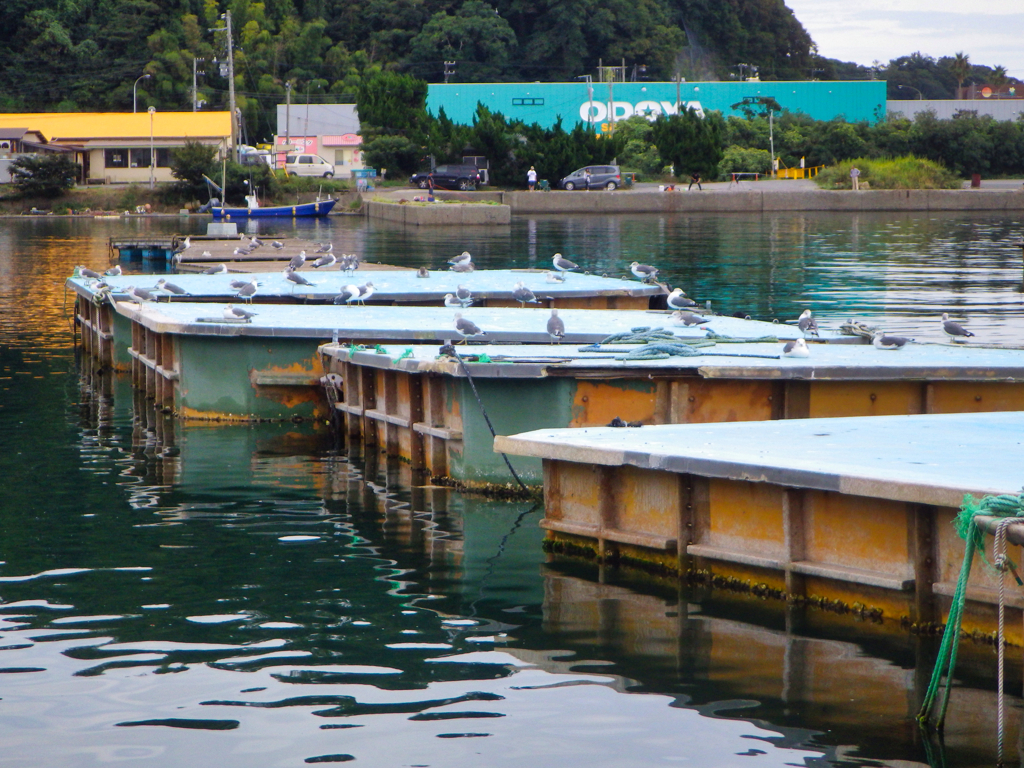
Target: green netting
[(945, 664)]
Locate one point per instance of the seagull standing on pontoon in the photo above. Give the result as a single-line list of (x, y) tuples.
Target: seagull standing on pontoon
[(217, 269), (89, 274), (523, 295), (232, 312), (297, 260), (464, 295), (114, 271), (807, 324), (882, 340), (184, 245), (954, 330), (247, 290), (682, 317), (139, 294), (170, 288), (325, 248), (643, 271), (466, 328), (562, 265), (451, 302), (678, 300), (462, 258), (295, 278), (796, 348), (556, 327)]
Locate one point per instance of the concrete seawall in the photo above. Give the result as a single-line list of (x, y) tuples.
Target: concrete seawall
[(439, 214), (747, 201)]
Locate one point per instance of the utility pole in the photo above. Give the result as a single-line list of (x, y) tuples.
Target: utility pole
[(195, 81), (679, 98), (287, 117), (231, 86), (449, 70)]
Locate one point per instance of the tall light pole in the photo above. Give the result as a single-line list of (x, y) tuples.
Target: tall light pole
[(134, 87), (152, 153), (920, 95)]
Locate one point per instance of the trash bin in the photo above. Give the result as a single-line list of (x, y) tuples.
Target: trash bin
[(975, 180)]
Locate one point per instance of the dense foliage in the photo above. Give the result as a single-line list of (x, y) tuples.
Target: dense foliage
[(889, 173), (88, 54), (48, 175)]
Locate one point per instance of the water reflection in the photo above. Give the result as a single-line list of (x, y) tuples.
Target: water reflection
[(258, 594)]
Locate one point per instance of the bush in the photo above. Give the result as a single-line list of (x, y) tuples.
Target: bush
[(396, 153), (49, 175), (188, 164), (890, 173), (744, 160)]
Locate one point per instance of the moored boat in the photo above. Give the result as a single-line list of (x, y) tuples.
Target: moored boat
[(318, 208)]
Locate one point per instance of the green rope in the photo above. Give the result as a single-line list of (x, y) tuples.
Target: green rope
[(734, 340), (945, 663), (641, 335), (662, 350)]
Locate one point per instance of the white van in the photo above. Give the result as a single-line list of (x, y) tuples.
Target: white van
[(308, 165)]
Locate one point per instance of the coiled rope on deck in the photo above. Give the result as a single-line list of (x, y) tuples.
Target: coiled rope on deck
[(933, 708)]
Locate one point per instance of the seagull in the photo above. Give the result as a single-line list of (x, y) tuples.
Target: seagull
[(807, 324), (643, 271), (678, 300), (562, 265), (242, 251), (451, 302), (184, 245), (883, 341), (294, 277), (219, 269), (464, 256), (556, 327), (349, 262), (796, 348), (237, 313), (255, 241), (277, 244), (297, 260), (422, 272), (327, 260), (463, 266), (555, 277), (365, 292), (114, 271), (139, 294), (467, 328), (464, 295), (171, 288), (206, 255), (236, 284), (325, 248), (523, 295), (953, 329), (92, 274), (247, 290), (679, 317)]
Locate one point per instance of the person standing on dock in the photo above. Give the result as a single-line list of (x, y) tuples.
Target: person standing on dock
[(531, 178), (695, 179), (586, 178), (855, 178)]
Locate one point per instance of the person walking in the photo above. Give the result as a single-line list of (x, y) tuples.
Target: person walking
[(531, 178), (855, 178), (586, 178), (695, 179)]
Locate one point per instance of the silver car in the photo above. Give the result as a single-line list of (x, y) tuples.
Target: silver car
[(601, 177)]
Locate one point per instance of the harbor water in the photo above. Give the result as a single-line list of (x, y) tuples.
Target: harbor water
[(258, 596)]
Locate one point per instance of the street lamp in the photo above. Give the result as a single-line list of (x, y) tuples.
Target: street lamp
[(152, 154), (134, 102), (919, 94)]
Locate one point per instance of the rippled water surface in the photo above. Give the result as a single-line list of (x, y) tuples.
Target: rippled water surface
[(255, 596)]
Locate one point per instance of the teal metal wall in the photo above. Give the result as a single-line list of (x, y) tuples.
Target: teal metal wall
[(544, 103)]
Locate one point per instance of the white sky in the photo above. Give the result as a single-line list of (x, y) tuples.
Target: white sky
[(990, 32)]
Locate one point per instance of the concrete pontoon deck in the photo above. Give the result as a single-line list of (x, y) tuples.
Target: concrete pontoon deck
[(190, 358), (417, 405), (852, 513), (491, 287)]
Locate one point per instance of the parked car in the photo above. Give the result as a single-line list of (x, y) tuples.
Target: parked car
[(601, 177), (308, 165), (449, 177)]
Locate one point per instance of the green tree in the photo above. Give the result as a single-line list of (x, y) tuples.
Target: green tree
[(188, 165), (478, 39), (960, 68), (689, 143), (48, 175), (390, 103)]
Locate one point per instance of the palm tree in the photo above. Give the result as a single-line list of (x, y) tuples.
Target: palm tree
[(960, 69), (998, 79)]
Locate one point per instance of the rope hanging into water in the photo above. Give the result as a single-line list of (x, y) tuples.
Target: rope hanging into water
[(933, 708)]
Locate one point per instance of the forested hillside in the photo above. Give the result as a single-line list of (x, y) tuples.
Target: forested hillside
[(87, 54)]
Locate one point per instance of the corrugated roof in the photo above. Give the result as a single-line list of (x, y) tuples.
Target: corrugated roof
[(83, 126)]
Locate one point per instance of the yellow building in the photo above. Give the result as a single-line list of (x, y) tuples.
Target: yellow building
[(124, 147)]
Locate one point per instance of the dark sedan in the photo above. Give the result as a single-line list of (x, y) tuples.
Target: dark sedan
[(448, 177)]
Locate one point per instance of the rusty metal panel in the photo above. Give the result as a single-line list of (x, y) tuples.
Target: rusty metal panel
[(646, 501), (716, 400), (596, 403), (865, 398), (746, 517), (975, 397)]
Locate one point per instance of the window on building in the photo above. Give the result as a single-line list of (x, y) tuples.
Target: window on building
[(139, 158), (527, 102), (115, 158), (163, 157)]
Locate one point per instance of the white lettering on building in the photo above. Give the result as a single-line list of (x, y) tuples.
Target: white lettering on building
[(597, 111)]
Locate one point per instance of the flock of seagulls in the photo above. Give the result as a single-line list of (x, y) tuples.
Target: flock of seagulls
[(682, 307)]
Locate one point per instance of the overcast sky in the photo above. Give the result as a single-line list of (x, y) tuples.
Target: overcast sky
[(990, 32)]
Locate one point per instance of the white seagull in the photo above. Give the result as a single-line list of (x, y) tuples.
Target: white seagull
[(451, 302), (463, 266), (91, 274), (796, 348), (294, 277), (297, 260), (248, 290), (327, 260), (464, 256), (562, 265), (681, 317), (807, 324), (139, 294), (556, 327), (422, 272), (678, 300), (523, 295), (237, 313), (114, 271), (643, 271), (555, 277), (883, 341), (218, 269), (466, 328), (954, 330), (464, 295), (170, 288)]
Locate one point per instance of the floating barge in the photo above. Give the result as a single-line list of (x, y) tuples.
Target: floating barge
[(420, 407), (853, 514), (190, 359)]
